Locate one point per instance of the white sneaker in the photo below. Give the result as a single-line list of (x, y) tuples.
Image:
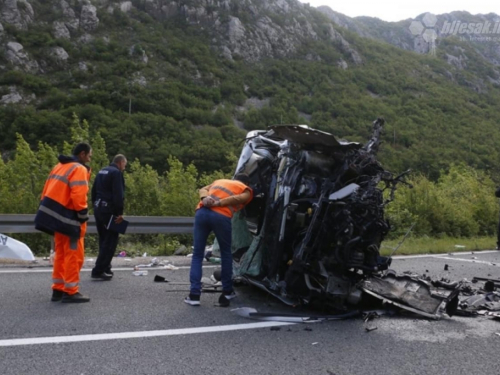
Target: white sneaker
[(192, 300), (230, 296)]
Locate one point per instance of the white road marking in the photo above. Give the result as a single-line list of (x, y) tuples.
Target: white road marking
[(469, 260), (49, 269), (133, 335), (441, 255), (396, 257)]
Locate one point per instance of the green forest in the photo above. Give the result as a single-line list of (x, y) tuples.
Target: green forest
[(181, 117)]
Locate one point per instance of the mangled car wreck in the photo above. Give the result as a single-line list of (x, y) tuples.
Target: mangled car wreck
[(313, 232)]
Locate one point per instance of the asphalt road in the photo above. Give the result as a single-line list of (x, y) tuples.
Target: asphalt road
[(135, 326)]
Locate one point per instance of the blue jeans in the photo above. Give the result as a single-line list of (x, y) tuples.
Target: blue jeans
[(206, 221)]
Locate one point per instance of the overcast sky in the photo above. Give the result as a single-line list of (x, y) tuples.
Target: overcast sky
[(393, 10)]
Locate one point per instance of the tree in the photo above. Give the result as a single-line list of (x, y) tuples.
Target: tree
[(181, 194)]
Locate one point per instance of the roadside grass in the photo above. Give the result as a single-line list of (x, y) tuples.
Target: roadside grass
[(412, 245), (429, 245)]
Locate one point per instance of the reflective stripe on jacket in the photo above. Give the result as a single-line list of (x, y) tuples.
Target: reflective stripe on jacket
[(221, 189), (63, 207)]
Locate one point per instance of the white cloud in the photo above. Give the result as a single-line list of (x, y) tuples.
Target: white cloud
[(392, 10)]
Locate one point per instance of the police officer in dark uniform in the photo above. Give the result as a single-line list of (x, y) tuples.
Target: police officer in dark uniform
[(108, 194)]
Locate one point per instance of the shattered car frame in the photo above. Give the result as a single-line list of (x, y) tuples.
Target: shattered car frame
[(312, 233)]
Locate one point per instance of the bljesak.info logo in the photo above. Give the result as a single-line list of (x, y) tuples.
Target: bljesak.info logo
[(472, 31)]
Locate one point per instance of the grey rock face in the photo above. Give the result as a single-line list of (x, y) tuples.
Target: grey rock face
[(458, 62), (68, 12), (70, 21), (17, 13), (86, 38), (342, 64), (258, 35), (494, 81), (263, 39), (60, 54), (13, 97), (344, 45), (16, 55), (226, 52), (60, 31), (82, 65), (420, 45), (126, 6), (139, 80), (88, 18), (235, 32), (161, 10), (15, 47)]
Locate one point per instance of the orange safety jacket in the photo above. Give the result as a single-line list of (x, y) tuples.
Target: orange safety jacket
[(221, 189), (63, 207)]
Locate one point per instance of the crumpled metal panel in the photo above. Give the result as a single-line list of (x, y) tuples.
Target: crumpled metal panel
[(303, 135), (412, 294)]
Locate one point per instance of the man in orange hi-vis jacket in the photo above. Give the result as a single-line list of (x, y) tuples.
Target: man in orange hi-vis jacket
[(63, 213), (218, 202)]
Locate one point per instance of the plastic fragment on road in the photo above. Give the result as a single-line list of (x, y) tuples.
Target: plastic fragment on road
[(140, 273), (251, 313), (155, 263), (170, 267), (160, 279), (368, 319)]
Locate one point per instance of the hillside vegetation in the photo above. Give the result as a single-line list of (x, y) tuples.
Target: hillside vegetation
[(160, 91)]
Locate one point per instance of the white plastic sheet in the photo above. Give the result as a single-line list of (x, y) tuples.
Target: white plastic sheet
[(14, 249)]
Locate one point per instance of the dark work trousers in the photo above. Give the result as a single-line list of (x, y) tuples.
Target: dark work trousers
[(108, 240)]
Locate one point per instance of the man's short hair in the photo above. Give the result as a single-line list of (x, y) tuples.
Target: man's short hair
[(119, 158), (81, 147), (242, 177)]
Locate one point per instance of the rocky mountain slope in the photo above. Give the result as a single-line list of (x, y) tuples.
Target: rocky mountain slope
[(481, 31), (163, 77)]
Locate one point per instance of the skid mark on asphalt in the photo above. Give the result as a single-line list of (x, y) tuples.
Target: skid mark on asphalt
[(133, 335)]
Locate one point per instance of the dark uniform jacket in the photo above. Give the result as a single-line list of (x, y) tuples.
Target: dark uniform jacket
[(108, 191)]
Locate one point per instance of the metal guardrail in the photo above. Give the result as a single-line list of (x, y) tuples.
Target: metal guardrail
[(137, 224)]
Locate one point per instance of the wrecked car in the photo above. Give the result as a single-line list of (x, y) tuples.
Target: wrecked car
[(313, 232)]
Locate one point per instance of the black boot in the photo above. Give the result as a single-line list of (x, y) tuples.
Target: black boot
[(74, 298), (223, 301), (56, 295)]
